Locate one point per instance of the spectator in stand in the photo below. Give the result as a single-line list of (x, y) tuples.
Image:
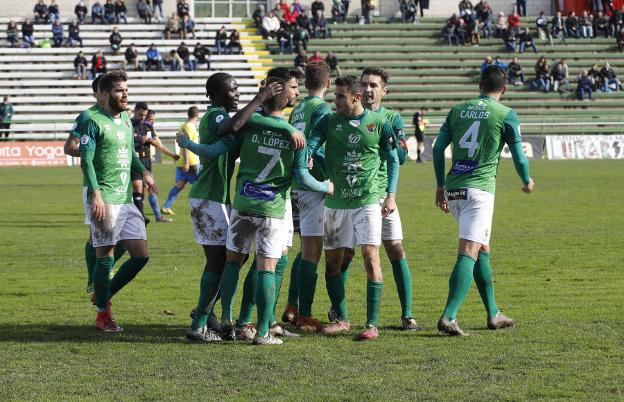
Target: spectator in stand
[(595, 6), (284, 40), (484, 15), (131, 56), (54, 12), (542, 72), (594, 73), (609, 79), (303, 21), (601, 25), (584, 85), (6, 114), (509, 37), (316, 6), (81, 67), (617, 20), (297, 7), (257, 16), (473, 26), (515, 75), (332, 62), (558, 27), (608, 7), (290, 17), (109, 12), (235, 43), (319, 26), (81, 11), (317, 56), (407, 9), (41, 12), (73, 31), (183, 8), (526, 39), (367, 7), (345, 5), (463, 32), (501, 25), (152, 56), (541, 24), (202, 55), (188, 27), (465, 6), (157, 4), (28, 30), (301, 61), (500, 63), (185, 55), (173, 60), (486, 63), (338, 12), (571, 25), (115, 40), (270, 25), (449, 32), (120, 11), (221, 40), (97, 12), (522, 7), (586, 25), (58, 35), (514, 21), (559, 77), (98, 64), (144, 11), (12, 33), (301, 37), (173, 26), (620, 40)]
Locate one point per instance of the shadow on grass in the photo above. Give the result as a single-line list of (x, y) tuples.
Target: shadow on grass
[(145, 333)]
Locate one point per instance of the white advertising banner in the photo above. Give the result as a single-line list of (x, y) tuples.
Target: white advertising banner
[(585, 146)]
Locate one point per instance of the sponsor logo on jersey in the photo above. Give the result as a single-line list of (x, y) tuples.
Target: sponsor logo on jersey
[(259, 191), (351, 180), (121, 135), (354, 123), (338, 127), (354, 138), (353, 167), (353, 156), (84, 139), (463, 167), (371, 128), (457, 194)]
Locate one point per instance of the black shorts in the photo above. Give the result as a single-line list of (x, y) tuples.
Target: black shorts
[(419, 136), (147, 162)]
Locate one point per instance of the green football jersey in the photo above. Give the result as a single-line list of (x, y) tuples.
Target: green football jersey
[(398, 128), (479, 128), (352, 149), (303, 117), (265, 172), (215, 174), (78, 126), (112, 140)]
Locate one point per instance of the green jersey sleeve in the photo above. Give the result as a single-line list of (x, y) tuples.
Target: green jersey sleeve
[(322, 110), (215, 119), (88, 136), (318, 135), (511, 135), (88, 143), (511, 132)]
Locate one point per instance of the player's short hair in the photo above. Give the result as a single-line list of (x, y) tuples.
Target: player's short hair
[(217, 83), (109, 79), (350, 81), (192, 112), (141, 106), (283, 73), (316, 75), (95, 84), (151, 112), (279, 98), (380, 72), (493, 79)]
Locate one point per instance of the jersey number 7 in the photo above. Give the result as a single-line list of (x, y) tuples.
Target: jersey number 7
[(275, 156)]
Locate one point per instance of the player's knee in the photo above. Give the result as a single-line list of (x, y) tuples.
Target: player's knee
[(349, 253), (394, 250)]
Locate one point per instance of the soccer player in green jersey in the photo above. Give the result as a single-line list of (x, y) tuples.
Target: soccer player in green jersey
[(267, 164), (375, 82), (354, 138), (478, 130), (209, 197), (72, 148), (107, 158)]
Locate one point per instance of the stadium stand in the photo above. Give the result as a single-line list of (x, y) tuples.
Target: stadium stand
[(46, 97)]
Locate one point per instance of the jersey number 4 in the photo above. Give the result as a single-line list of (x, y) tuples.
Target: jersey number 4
[(275, 156), (469, 139)]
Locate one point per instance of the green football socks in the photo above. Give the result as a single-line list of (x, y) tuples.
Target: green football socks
[(208, 291), (373, 300), (403, 280), (265, 297), (484, 280), (459, 284), (249, 295), (307, 287), (344, 269), (101, 281), (91, 260), (279, 274), (229, 282), (336, 291), (127, 272), (293, 287)]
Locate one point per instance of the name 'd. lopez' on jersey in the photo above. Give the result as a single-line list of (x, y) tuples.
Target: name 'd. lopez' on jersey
[(271, 139)]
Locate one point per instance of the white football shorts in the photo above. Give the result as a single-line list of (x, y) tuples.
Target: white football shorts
[(351, 227), (266, 233), (210, 221), (121, 222), (473, 209), (85, 205), (311, 212), (289, 227), (391, 225)]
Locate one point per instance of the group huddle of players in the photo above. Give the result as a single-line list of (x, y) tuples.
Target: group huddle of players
[(331, 176)]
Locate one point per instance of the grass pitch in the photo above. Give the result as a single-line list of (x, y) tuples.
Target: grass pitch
[(556, 255)]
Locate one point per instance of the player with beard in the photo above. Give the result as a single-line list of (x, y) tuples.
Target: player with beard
[(268, 162), (209, 197), (72, 148), (107, 158)]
